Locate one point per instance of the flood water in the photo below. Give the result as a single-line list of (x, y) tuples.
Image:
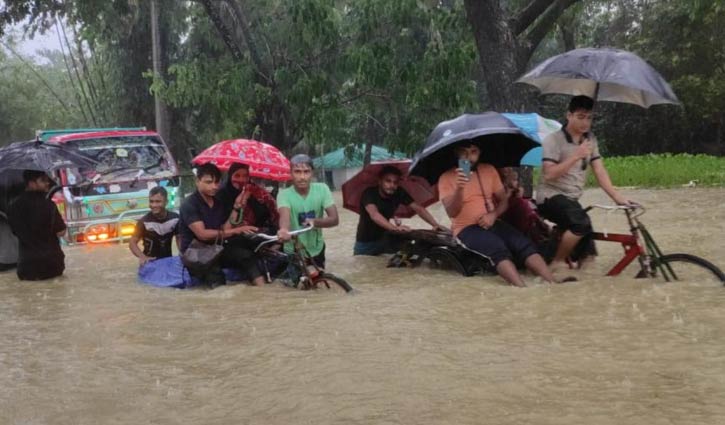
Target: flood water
[(414, 346)]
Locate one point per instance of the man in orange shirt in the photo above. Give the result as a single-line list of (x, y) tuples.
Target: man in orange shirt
[(474, 203)]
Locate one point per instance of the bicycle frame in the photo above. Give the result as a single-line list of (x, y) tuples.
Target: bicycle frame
[(300, 258), (633, 246)]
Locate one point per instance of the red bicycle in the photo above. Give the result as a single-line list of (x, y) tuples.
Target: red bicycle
[(640, 245)]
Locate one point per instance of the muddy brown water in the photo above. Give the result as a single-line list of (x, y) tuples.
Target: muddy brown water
[(420, 346)]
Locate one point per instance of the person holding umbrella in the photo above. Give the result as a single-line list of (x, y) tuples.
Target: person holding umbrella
[(248, 203), (375, 232), (33, 217), (36, 222), (588, 74), (566, 156), (460, 155), (474, 199)]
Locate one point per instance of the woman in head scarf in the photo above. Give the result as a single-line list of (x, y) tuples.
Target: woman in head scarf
[(247, 203)]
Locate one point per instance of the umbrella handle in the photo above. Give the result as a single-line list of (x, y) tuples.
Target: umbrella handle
[(596, 93), (52, 191), (240, 212), (239, 219)]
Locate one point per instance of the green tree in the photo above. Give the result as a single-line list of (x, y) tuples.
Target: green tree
[(33, 96), (683, 41), (408, 65)]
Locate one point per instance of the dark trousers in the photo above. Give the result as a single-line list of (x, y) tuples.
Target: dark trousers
[(500, 242), (569, 214), (319, 259), (387, 244), (51, 267), (5, 266), (237, 254)]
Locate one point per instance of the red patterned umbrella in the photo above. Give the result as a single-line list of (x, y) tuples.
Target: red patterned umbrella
[(264, 160), (417, 187)]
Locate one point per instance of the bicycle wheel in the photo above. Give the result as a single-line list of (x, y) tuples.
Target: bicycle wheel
[(332, 282), (692, 268)]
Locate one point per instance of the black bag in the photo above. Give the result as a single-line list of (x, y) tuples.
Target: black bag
[(200, 257)]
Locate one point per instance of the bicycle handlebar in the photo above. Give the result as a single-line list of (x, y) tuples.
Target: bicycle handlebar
[(269, 239), (630, 207)]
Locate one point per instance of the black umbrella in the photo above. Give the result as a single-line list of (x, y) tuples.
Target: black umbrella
[(11, 185), (602, 74), (41, 156), (502, 144), (35, 155)]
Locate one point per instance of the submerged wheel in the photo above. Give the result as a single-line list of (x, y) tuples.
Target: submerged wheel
[(692, 268), (442, 257), (332, 282)]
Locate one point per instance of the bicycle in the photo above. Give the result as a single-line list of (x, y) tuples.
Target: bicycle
[(639, 244), (302, 270)]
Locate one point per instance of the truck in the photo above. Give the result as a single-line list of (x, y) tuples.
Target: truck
[(103, 203)]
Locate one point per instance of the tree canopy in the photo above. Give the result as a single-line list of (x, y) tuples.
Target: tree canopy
[(318, 74)]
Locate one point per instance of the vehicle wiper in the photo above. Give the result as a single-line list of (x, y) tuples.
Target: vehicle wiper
[(138, 176)]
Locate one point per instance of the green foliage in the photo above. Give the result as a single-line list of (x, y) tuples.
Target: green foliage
[(27, 104), (346, 73), (661, 171), (683, 40), (686, 42), (665, 170), (40, 13), (410, 65), (342, 72), (217, 107)]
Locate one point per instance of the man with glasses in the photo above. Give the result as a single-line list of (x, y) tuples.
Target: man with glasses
[(567, 156)]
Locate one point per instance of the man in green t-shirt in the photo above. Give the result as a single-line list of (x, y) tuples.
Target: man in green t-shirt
[(305, 204)]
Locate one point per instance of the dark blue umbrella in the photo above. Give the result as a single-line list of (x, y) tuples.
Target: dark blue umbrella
[(502, 144), (602, 74)]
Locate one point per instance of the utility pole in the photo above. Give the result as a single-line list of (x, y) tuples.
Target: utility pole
[(161, 112)]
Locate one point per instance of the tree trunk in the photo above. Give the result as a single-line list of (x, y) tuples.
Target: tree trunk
[(372, 133), (497, 48), (505, 44), (214, 12), (566, 28), (720, 149), (160, 109)]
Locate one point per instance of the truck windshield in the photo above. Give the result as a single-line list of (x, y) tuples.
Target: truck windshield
[(125, 158)]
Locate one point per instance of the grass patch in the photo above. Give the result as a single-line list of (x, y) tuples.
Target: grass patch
[(664, 170), (661, 170)]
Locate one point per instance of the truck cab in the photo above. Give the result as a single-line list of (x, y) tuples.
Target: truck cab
[(103, 203)]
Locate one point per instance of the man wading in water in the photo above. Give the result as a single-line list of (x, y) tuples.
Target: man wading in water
[(305, 204), (35, 220)]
